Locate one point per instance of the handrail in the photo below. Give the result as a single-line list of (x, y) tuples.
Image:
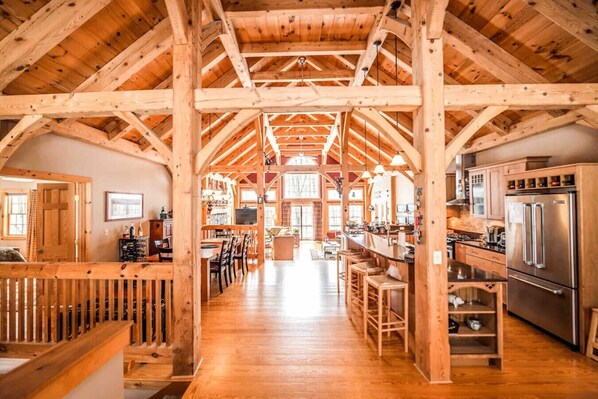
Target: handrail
[(63, 367), (86, 270)]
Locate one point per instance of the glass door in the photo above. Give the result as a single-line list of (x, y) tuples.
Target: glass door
[(478, 193), (302, 218)]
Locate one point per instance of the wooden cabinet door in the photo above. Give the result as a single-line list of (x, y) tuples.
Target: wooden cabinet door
[(460, 252), (55, 222), (495, 193), (477, 193)]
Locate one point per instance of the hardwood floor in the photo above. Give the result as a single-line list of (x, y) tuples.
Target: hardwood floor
[(283, 332)]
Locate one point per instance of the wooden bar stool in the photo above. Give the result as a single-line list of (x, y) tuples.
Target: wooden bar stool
[(358, 271), (385, 320), (342, 274), (592, 343), (351, 260)]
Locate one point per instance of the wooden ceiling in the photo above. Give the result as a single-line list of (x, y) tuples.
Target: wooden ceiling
[(126, 45)]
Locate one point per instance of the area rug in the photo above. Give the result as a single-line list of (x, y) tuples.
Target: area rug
[(318, 254)]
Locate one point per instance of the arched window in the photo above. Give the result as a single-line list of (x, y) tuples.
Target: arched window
[(301, 161)]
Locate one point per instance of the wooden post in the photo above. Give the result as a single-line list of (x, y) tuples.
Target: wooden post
[(344, 135), (393, 199), (186, 200), (261, 233), (432, 350)]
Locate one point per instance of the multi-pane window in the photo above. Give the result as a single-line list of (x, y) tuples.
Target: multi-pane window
[(15, 215), (334, 217), (301, 185), (248, 196), (270, 216), (356, 213), (356, 195), (333, 195)]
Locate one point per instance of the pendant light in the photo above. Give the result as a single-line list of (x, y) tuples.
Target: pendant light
[(398, 159), (379, 169), (366, 173)]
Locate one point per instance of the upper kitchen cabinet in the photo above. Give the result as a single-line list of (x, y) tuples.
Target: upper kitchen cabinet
[(488, 188)]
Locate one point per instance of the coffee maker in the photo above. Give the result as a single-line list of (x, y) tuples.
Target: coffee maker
[(493, 234)]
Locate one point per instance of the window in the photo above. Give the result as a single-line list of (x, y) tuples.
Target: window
[(248, 196), (301, 185), (356, 213), (301, 161), (15, 215), (333, 195), (269, 216), (334, 217), (271, 195), (356, 195)]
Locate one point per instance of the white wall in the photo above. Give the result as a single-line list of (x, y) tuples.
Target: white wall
[(109, 171), (569, 144)]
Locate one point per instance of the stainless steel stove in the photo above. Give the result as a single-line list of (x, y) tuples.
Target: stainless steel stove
[(451, 239)]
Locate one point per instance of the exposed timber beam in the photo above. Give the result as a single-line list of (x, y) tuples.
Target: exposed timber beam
[(24, 129), (401, 29), (209, 33), (300, 76), (525, 129), (229, 41), (435, 18), (204, 157), (148, 134), (243, 169), (334, 133), (288, 49), (412, 156), (177, 13), (263, 8), (300, 99), (79, 131), (377, 35), (590, 114), (576, 17), (453, 148), (270, 136), (32, 39)]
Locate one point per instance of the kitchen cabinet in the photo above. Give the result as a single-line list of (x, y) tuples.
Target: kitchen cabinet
[(460, 252), (488, 185), (490, 261)]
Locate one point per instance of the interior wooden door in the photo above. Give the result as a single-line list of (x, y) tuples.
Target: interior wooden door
[(56, 222)]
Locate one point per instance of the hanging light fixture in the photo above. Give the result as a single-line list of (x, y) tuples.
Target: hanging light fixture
[(366, 173), (301, 153), (379, 169), (398, 159)]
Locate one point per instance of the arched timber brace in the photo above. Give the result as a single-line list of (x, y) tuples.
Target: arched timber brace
[(237, 123), (412, 156), (27, 127)]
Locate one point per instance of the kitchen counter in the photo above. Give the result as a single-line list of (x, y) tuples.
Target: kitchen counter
[(459, 272), (379, 246), (483, 245)]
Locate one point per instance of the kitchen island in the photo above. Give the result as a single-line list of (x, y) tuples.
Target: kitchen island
[(480, 290)]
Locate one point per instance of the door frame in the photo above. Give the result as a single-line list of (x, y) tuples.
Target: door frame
[(82, 197), (302, 205)]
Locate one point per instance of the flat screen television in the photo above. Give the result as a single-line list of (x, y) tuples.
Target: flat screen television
[(246, 216)]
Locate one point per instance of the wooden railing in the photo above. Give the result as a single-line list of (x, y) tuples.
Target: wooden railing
[(209, 231), (67, 365), (54, 302)]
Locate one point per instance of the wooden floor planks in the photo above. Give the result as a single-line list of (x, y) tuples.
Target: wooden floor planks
[(283, 332)]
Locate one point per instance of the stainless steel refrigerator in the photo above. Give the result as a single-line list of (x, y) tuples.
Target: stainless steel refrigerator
[(542, 261)]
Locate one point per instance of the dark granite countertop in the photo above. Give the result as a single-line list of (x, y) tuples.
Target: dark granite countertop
[(379, 245), (484, 245), (459, 272)]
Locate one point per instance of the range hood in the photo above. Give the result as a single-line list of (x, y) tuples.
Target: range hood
[(462, 162)]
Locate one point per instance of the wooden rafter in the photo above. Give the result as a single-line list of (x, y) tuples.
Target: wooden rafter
[(435, 18), (453, 148), (576, 17), (229, 41), (177, 13), (153, 138), (22, 47), (262, 8), (284, 49), (211, 148), (300, 76), (525, 129), (377, 34)]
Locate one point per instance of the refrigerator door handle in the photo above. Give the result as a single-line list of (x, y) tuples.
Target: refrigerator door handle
[(538, 236), (555, 292), (526, 230)]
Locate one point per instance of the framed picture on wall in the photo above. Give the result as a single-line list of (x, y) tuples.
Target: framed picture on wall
[(123, 206)]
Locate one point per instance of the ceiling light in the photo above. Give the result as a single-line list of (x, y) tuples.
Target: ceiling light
[(379, 169), (366, 174), (398, 160)]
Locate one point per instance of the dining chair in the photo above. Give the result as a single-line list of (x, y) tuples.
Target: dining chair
[(163, 247), (241, 256), (219, 265), (234, 240)]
